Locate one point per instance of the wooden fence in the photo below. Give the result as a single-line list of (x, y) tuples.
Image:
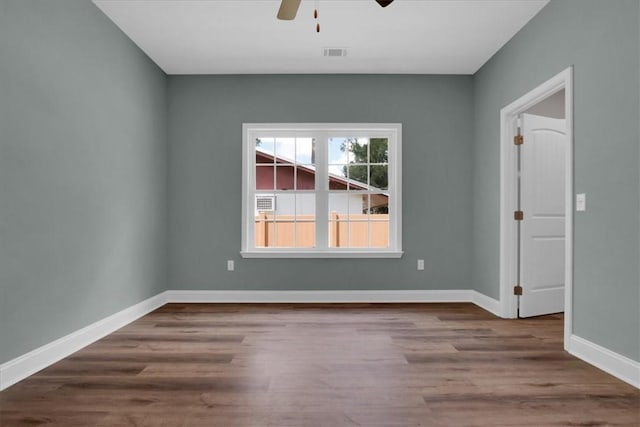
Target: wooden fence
[(352, 231)]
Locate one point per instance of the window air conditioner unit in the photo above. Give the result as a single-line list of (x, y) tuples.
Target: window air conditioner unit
[(265, 203)]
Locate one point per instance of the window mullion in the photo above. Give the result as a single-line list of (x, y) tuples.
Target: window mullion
[(322, 191)]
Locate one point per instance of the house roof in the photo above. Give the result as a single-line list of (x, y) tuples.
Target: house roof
[(338, 179)]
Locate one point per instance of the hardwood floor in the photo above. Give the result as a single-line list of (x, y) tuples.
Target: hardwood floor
[(324, 365)]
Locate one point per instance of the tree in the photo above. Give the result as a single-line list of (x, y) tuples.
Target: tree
[(364, 165), (378, 152)]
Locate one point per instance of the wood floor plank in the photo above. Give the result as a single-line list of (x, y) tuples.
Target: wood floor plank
[(194, 365), (172, 338), (152, 357)]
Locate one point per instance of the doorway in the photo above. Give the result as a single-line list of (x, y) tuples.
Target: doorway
[(536, 258)]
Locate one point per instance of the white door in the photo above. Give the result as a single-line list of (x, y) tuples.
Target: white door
[(542, 200)]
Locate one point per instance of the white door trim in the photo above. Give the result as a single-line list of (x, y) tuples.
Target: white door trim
[(508, 242)]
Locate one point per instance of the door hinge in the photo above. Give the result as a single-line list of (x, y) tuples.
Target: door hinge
[(517, 290), (518, 215), (518, 140)]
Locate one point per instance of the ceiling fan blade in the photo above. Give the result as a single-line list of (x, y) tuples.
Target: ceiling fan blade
[(288, 9), (384, 3)]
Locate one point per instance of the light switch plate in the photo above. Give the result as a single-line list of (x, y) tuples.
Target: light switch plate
[(581, 202), (230, 265), (420, 264)]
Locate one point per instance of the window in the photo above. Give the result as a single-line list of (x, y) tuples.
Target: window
[(321, 190)]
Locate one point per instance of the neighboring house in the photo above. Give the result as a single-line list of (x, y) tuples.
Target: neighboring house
[(285, 178)]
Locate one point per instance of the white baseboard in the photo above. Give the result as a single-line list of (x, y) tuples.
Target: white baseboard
[(28, 364), (619, 366), (487, 303), (320, 296)]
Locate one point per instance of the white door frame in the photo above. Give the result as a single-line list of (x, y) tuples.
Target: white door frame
[(508, 194)]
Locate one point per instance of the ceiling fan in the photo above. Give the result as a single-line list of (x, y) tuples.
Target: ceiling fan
[(289, 8)]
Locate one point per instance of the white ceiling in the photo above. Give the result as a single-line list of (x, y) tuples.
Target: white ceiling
[(244, 36)]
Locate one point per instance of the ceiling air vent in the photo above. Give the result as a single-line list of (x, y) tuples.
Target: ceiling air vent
[(335, 51)]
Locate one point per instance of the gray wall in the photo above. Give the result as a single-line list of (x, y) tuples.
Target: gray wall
[(206, 115), (82, 172), (600, 38)]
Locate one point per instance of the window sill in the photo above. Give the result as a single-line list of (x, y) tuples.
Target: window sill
[(321, 254)]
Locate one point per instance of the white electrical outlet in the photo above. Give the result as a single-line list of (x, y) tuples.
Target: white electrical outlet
[(420, 264), (230, 265)]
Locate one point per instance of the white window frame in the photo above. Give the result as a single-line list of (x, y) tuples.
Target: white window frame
[(322, 132)]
